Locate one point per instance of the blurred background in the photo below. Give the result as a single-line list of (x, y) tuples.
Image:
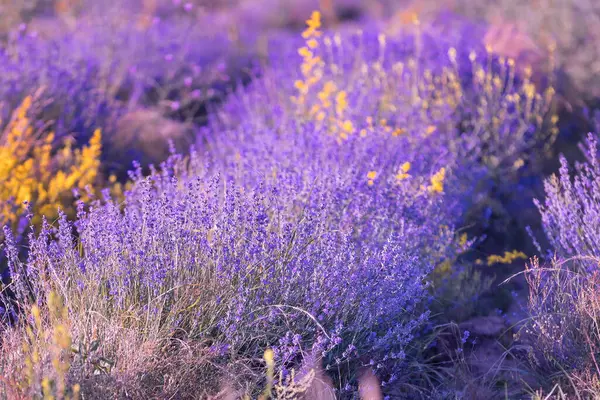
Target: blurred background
[(209, 45)]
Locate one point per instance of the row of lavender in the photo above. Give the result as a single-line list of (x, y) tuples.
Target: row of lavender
[(308, 219)]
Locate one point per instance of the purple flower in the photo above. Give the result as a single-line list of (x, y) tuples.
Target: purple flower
[(465, 336)]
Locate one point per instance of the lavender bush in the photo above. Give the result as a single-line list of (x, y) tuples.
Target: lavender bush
[(317, 254), (307, 219), (570, 210), (563, 288), (438, 89)]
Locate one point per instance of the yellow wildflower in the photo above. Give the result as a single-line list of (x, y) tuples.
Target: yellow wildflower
[(437, 181), (30, 171), (430, 129), (529, 90), (269, 357), (508, 257), (314, 109), (347, 126), (311, 67), (314, 22), (398, 131), (305, 52), (329, 87), (371, 175), (463, 240), (300, 85), (403, 171), (341, 102), (518, 163)]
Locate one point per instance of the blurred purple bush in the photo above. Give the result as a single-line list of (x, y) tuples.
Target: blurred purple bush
[(101, 70)]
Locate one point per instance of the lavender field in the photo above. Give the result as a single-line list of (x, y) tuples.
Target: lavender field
[(299, 199)]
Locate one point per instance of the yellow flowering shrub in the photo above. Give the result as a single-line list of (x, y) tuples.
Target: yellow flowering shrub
[(509, 257), (330, 105), (329, 95), (312, 64), (32, 170)]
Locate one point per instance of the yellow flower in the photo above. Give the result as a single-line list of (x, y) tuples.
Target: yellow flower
[(371, 175), (518, 163), (430, 129), (31, 170), (329, 87), (324, 94), (305, 52), (300, 85), (403, 172), (305, 68), (529, 89), (398, 132), (347, 126), (437, 181), (341, 102), (463, 240), (269, 357), (314, 22), (508, 257), (314, 109)]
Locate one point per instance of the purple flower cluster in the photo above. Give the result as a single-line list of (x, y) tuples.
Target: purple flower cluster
[(564, 302), (284, 243), (571, 209), (104, 67), (441, 90)]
